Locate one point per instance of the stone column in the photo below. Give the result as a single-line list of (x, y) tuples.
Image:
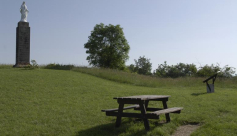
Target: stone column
[(22, 44)]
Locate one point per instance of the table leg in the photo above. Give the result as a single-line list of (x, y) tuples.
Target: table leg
[(119, 117), (167, 115), (143, 112), (146, 104)]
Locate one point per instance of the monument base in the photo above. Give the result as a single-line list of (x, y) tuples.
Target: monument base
[(22, 44), (21, 65)]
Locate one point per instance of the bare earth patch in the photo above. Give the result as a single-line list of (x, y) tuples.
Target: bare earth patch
[(186, 130)]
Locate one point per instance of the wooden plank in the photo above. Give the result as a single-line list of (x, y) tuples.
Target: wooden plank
[(143, 97), (125, 108), (214, 76), (129, 101), (149, 109), (169, 110), (160, 99), (132, 115)]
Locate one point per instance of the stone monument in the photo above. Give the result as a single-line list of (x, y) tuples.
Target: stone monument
[(23, 39)]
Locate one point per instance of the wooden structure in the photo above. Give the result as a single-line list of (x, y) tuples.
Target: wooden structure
[(210, 87), (141, 103)]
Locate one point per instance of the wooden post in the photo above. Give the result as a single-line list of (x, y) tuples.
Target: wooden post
[(143, 112), (167, 115), (146, 104), (120, 112), (210, 87)]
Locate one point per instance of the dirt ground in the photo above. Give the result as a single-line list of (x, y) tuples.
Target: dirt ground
[(185, 130)]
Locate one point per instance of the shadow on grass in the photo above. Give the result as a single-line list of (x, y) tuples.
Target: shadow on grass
[(111, 130), (197, 94)]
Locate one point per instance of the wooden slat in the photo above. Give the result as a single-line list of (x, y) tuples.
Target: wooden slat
[(143, 97), (132, 115), (169, 110), (128, 101), (150, 109), (125, 108), (214, 76)]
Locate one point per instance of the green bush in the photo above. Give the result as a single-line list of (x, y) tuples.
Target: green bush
[(142, 66), (207, 70), (33, 65), (59, 67), (184, 70), (174, 71)]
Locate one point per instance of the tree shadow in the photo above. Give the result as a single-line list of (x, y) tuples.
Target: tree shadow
[(111, 130)]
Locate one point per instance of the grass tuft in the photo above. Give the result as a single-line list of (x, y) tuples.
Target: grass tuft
[(6, 66)]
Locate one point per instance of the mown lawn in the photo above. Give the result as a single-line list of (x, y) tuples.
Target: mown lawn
[(58, 102)]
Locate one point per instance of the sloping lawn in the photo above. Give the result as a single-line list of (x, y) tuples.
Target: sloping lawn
[(57, 102)]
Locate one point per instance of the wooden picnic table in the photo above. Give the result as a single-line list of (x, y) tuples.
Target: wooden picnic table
[(141, 103)]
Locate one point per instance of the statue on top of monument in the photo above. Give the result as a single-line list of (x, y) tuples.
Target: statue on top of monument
[(24, 12)]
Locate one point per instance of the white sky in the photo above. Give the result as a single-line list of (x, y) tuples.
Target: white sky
[(188, 31)]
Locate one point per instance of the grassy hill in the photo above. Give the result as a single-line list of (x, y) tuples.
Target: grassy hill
[(59, 102)]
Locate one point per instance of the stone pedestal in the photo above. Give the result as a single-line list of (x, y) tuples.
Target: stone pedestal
[(22, 44)]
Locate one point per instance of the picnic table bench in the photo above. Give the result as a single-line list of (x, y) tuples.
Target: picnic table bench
[(141, 103)]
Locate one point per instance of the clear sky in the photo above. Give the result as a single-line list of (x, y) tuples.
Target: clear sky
[(188, 31)]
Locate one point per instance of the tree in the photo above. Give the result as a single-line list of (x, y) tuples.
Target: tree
[(227, 71), (179, 70), (143, 66), (182, 70), (107, 47), (162, 70), (207, 70), (131, 68)]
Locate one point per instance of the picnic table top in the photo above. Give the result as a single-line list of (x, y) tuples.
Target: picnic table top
[(142, 97)]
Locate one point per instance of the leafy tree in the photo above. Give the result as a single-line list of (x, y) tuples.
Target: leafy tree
[(107, 47), (179, 70), (185, 69), (207, 70), (227, 71), (162, 70), (143, 66), (131, 68), (192, 69)]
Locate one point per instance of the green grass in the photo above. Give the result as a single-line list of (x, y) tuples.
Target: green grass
[(148, 81), (58, 102), (6, 66)]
